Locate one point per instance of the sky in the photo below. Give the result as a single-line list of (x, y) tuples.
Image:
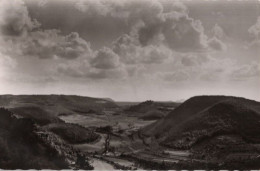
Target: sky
[(130, 50)]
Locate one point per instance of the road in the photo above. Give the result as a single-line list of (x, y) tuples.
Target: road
[(101, 165)]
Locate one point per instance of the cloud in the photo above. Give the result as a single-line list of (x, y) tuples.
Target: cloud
[(186, 34), (176, 76), (255, 29), (126, 47), (216, 44), (217, 32), (155, 54), (50, 44), (254, 45), (6, 61), (245, 72), (212, 75), (82, 69), (202, 66), (104, 64), (131, 51), (158, 32), (19, 30), (105, 59), (176, 30), (93, 7), (127, 10), (217, 40), (14, 18), (75, 68), (7, 64), (195, 59), (166, 20), (189, 60), (115, 74)]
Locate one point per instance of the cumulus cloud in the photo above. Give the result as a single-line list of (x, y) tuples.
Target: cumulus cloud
[(216, 44), (195, 59), (155, 54), (105, 59), (186, 34), (125, 46), (189, 60), (217, 40), (93, 7), (202, 66), (176, 30), (255, 29), (18, 29), (217, 31), (131, 52), (245, 72), (50, 44), (197, 67), (74, 68), (15, 19), (164, 22), (157, 31), (85, 70), (104, 64), (128, 10)]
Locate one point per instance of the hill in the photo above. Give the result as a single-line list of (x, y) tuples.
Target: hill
[(151, 110), (58, 104), (72, 133), (37, 114), (41, 111), (24, 146), (204, 123)]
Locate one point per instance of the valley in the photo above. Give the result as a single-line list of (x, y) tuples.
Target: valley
[(206, 132)]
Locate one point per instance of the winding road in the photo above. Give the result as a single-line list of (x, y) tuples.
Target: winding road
[(101, 165)]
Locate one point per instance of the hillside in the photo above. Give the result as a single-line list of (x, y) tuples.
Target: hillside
[(151, 110), (72, 133), (37, 114), (47, 119), (212, 127), (22, 146), (205, 116), (58, 104)]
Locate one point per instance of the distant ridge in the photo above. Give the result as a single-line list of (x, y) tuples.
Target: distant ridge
[(151, 110), (57, 104)]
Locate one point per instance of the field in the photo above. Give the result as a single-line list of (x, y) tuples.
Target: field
[(124, 140)]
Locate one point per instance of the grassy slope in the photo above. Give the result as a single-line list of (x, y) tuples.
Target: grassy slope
[(57, 104), (71, 133), (221, 131), (204, 116), (183, 112), (21, 148), (39, 115), (44, 110)]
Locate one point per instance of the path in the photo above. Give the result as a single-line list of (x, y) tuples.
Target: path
[(101, 165)]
